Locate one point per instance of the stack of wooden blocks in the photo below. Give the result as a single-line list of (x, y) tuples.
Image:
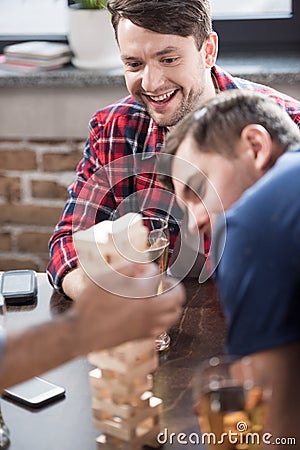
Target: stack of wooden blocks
[(124, 408)]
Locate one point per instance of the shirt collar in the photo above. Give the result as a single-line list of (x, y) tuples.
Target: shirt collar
[(154, 141)]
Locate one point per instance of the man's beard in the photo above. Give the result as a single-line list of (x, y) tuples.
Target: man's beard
[(186, 106)]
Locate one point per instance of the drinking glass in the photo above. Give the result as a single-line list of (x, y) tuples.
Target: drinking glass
[(158, 245), (4, 431), (230, 403)]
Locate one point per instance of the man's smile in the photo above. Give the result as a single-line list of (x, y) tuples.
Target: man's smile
[(161, 99)]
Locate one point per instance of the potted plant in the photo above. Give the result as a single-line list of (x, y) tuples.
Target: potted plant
[(91, 35), (92, 4)]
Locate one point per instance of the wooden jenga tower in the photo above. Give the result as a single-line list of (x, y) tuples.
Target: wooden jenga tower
[(124, 408)]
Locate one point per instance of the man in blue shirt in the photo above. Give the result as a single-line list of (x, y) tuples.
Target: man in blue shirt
[(241, 153)]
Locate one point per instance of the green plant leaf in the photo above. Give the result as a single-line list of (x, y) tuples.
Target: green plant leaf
[(92, 4)]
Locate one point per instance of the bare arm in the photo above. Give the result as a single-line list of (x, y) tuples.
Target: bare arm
[(97, 320), (36, 349)]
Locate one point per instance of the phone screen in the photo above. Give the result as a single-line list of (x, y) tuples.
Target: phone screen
[(20, 282), (35, 392), (19, 286)]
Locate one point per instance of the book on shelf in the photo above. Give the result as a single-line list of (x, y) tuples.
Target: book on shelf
[(27, 66), (34, 56), (42, 50), (23, 65)]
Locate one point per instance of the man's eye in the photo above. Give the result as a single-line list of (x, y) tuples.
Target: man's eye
[(133, 65), (196, 193), (170, 60), (200, 191)]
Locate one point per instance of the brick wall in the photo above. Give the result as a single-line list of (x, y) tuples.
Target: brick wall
[(33, 180)]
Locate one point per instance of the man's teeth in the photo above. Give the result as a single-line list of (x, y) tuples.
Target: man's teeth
[(160, 98)]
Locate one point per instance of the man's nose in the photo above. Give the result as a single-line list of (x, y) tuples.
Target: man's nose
[(152, 79)]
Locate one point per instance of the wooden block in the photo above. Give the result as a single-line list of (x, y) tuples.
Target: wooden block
[(136, 377), (112, 241), (115, 429), (130, 415), (118, 392), (99, 380), (127, 429), (146, 368), (125, 357), (134, 351), (125, 410), (122, 411), (124, 430)]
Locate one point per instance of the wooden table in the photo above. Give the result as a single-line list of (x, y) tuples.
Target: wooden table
[(67, 424)]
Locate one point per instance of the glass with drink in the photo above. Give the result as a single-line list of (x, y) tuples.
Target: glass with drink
[(158, 245), (231, 405)]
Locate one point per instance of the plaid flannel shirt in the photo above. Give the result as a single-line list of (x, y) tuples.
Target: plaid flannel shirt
[(117, 172)]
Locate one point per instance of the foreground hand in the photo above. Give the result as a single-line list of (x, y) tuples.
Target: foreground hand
[(103, 319)]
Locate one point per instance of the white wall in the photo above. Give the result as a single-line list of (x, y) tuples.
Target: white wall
[(49, 112)]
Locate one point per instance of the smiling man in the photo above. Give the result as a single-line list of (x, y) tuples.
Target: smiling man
[(241, 154), (169, 50), (159, 74)]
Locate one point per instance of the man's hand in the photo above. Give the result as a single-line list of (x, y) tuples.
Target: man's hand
[(103, 319)]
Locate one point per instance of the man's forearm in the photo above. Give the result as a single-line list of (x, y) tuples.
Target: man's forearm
[(37, 349), (73, 282), (97, 320)]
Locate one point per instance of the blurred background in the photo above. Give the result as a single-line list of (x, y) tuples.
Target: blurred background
[(44, 116)]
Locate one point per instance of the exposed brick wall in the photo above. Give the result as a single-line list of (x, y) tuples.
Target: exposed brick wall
[(33, 180)]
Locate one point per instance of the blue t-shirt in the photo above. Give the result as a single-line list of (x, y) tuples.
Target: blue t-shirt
[(259, 273)]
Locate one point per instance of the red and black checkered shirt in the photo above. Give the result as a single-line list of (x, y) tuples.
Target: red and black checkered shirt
[(117, 172)]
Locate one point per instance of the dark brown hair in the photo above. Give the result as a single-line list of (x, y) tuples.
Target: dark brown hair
[(183, 18), (217, 126)]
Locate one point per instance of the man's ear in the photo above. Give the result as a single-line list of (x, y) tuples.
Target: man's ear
[(258, 140), (211, 49)]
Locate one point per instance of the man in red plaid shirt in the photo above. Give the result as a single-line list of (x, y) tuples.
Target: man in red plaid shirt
[(169, 52)]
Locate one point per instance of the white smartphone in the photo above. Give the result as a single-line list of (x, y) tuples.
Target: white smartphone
[(35, 392)]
